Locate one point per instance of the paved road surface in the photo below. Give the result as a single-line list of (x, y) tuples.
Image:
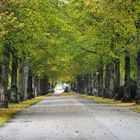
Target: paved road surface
[(72, 118)]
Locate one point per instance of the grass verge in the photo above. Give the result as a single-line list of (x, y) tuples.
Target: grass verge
[(136, 109), (7, 114), (108, 101)]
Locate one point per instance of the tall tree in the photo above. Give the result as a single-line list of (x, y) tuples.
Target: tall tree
[(5, 74), (14, 90), (127, 94)]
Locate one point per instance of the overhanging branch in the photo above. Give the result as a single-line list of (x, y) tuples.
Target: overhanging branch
[(89, 51)]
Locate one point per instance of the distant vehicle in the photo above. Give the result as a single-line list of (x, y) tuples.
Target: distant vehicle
[(66, 89)]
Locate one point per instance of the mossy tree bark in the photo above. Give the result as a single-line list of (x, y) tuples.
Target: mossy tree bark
[(4, 76), (109, 80), (138, 79), (112, 84), (127, 93), (100, 80), (138, 62), (14, 95), (29, 87), (26, 72), (21, 80), (117, 78)]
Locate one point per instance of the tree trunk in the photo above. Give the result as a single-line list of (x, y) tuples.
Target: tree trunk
[(138, 79), (127, 94), (4, 77), (112, 84), (117, 79), (34, 86), (14, 96), (138, 62), (109, 81), (100, 80), (107, 75), (90, 84), (79, 87), (86, 84), (94, 85), (21, 80), (82, 84), (0, 71), (38, 86), (44, 85), (26, 72), (29, 87)]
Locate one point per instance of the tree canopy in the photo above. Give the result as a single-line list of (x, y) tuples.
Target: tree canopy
[(63, 39)]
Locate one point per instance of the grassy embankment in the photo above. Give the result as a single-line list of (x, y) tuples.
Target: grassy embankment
[(113, 102), (136, 109), (7, 114)]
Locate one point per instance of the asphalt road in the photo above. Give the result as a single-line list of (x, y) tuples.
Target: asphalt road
[(72, 118)]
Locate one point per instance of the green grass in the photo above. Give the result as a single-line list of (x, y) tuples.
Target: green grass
[(133, 106), (108, 101), (136, 109), (27, 103), (7, 114)]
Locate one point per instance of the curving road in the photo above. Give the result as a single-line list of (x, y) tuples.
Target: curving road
[(72, 118)]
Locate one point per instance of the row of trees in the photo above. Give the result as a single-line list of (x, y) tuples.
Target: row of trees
[(94, 44), (109, 44), (30, 47)]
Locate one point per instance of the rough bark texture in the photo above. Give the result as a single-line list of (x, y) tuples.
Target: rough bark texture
[(38, 86), (117, 79), (138, 62), (34, 86), (0, 71), (112, 84), (14, 96), (21, 80), (89, 84), (26, 71), (127, 94), (100, 80), (29, 88), (86, 84), (3, 103), (138, 79), (4, 77), (92, 84), (95, 84), (109, 80)]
